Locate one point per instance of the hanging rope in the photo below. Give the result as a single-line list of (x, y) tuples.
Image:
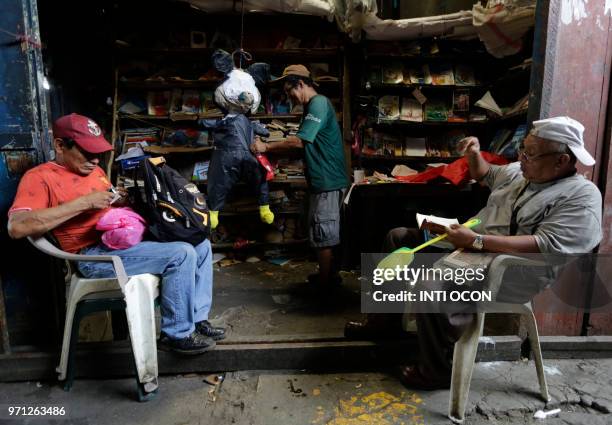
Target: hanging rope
[(242, 55)]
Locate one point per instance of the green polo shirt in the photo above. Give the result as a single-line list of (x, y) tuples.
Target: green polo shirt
[(323, 150)]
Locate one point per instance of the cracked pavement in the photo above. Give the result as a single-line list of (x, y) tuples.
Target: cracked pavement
[(501, 393)]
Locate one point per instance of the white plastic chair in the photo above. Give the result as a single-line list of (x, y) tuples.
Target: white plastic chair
[(464, 354), (139, 293)]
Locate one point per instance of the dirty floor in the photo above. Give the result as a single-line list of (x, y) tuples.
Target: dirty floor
[(265, 302), (502, 393)]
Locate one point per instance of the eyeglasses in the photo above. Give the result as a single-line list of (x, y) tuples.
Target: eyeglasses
[(531, 158)]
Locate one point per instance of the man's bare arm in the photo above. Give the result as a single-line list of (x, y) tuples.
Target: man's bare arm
[(462, 237), (35, 223), (511, 244), (291, 142), (476, 163)]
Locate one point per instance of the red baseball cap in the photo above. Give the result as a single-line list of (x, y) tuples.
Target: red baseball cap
[(84, 131)]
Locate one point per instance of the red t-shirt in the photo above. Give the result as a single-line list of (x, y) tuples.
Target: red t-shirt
[(50, 185)]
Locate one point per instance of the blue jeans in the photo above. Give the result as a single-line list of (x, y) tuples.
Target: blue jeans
[(186, 288)]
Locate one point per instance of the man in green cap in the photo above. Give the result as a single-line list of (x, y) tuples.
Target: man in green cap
[(320, 138)]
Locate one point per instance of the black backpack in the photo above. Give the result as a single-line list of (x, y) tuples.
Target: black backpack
[(174, 208)]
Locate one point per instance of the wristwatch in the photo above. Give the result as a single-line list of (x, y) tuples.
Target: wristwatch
[(478, 243)]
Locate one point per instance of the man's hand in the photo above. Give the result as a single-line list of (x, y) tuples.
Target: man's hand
[(258, 146), (97, 200), (469, 146), (460, 236)]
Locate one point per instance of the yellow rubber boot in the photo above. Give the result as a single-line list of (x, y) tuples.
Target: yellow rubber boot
[(265, 214), (214, 219)]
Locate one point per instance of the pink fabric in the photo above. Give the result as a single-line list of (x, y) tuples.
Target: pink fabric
[(122, 228)]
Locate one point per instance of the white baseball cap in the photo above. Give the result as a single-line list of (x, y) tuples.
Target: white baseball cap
[(567, 131)]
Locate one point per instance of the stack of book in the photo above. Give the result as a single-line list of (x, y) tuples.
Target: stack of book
[(437, 74), (290, 170), (140, 137)]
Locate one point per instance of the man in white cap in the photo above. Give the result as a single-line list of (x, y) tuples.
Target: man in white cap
[(539, 204)]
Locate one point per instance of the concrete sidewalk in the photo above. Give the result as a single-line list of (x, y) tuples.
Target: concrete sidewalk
[(502, 393)]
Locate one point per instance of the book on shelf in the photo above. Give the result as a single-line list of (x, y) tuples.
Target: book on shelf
[(441, 74), (464, 75), (176, 100), (461, 100), (191, 102), (436, 110), (510, 148), (461, 106), (200, 171), (488, 103), (391, 145), (207, 104), (477, 116), (140, 137), (415, 146), (420, 75), (411, 110), (388, 108), (501, 137), (158, 103), (275, 136), (133, 105), (520, 105), (393, 73)]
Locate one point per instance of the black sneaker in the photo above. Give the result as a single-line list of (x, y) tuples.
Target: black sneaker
[(195, 343), (205, 328)]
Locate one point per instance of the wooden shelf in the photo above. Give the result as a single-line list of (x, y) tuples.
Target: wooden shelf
[(292, 182), (402, 86), (163, 150), (512, 116), (257, 53), (227, 245), (170, 84), (429, 123), (193, 84), (409, 158), (194, 117)]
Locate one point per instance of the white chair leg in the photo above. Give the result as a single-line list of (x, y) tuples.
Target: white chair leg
[(140, 293), (61, 368), (464, 356), (79, 288), (534, 341)]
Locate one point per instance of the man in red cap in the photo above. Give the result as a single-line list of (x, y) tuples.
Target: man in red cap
[(71, 193)]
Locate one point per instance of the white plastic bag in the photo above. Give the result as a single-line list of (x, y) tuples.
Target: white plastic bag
[(238, 93)]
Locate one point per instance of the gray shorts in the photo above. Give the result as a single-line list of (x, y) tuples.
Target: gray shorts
[(324, 218)]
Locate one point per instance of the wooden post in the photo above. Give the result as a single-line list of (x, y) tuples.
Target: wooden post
[(114, 129), (5, 347), (346, 109)]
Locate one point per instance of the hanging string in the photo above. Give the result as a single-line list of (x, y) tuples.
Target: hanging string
[(242, 55), (241, 28)]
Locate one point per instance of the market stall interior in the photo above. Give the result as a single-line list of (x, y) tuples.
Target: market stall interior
[(404, 95)]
